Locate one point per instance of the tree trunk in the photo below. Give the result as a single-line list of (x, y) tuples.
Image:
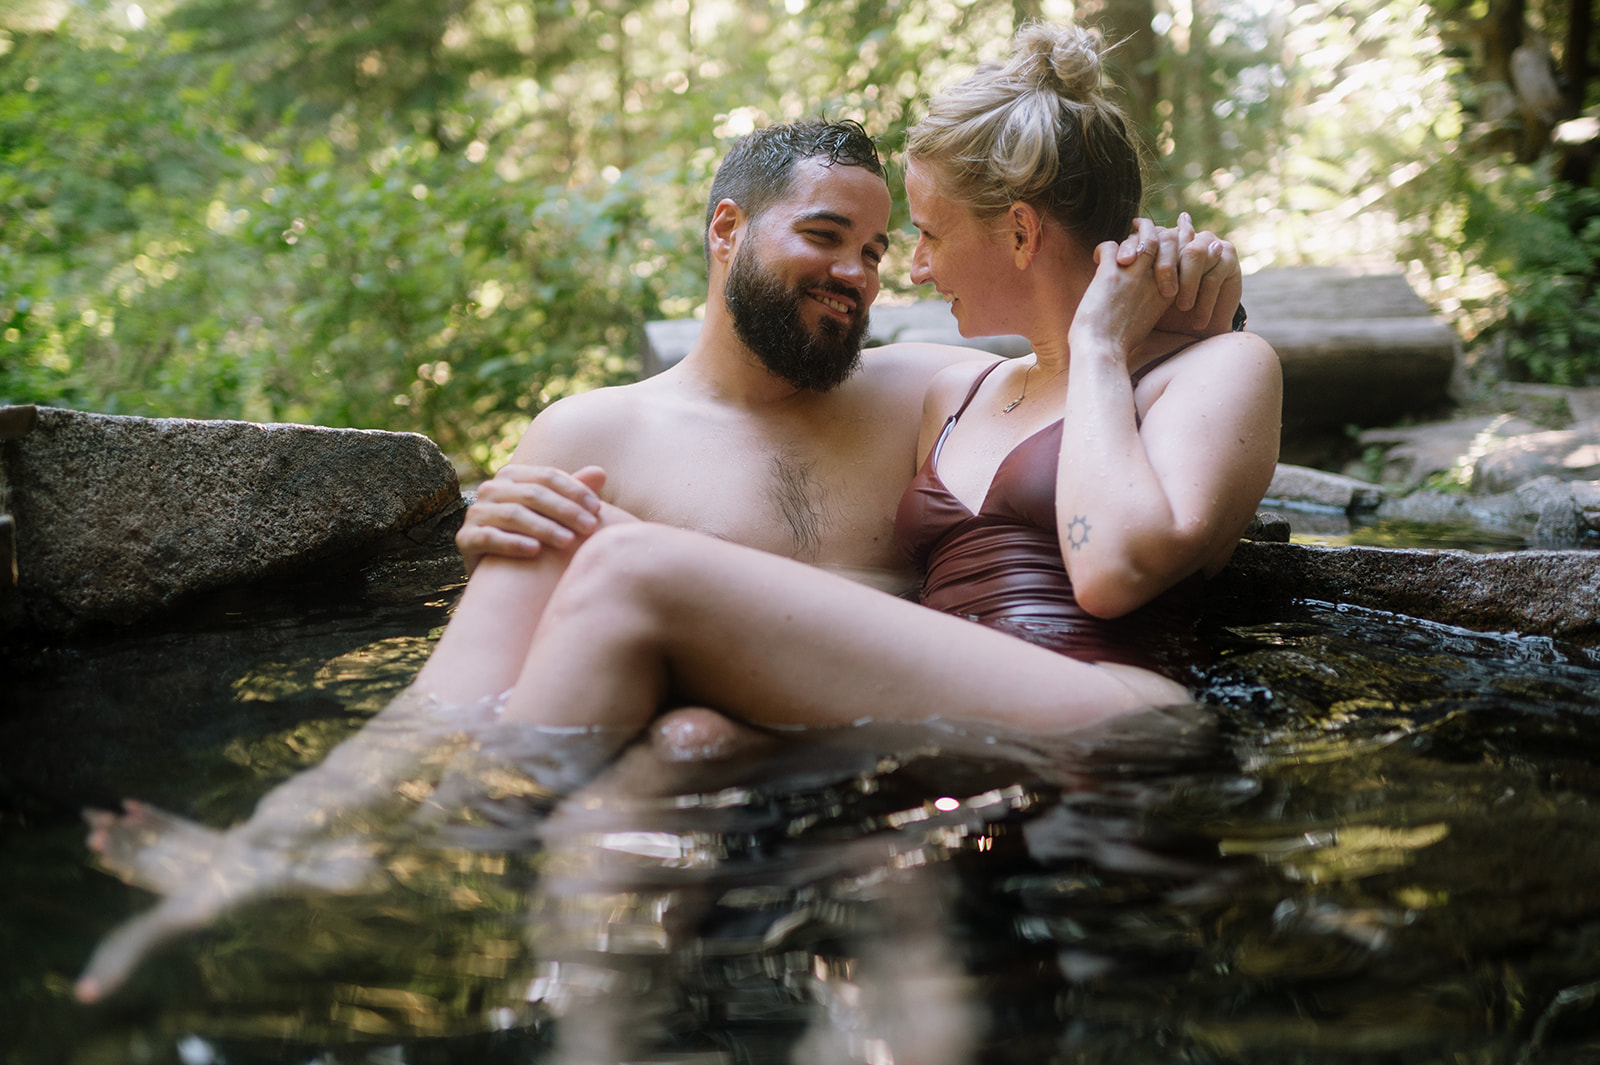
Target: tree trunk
[(1126, 24), (1575, 55)]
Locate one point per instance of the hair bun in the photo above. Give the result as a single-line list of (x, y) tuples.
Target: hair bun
[(1064, 59)]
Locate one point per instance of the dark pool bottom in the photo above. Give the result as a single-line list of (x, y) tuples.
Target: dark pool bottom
[(1386, 851)]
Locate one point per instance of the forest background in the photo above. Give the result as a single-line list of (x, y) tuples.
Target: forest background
[(442, 215)]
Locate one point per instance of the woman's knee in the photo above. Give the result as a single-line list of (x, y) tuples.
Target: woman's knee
[(627, 562)]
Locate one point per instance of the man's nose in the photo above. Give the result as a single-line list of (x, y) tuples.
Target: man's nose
[(851, 270)]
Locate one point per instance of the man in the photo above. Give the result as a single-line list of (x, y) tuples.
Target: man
[(774, 430)]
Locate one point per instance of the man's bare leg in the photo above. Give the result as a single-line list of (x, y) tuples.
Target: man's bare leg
[(311, 832)]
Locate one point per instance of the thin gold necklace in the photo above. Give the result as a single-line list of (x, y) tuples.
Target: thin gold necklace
[(1009, 407)]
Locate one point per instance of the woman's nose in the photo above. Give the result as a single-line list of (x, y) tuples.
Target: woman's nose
[(920, 273)]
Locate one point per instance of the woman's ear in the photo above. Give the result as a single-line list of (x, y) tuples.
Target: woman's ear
[(726, 218), (1026, 228)]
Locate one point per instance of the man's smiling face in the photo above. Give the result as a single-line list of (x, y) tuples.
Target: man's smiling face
[(806, 272)]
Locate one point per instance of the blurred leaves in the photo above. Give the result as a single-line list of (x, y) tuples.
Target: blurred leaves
[(441, 215)]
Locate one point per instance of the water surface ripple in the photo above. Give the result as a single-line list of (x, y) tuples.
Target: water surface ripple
[(1379, 843)]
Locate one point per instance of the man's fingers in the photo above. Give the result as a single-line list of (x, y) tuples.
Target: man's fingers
[(1167, 250), (483, 540), (576, 510), (595, 478), (581, 487), (533, 510), (554, 521)]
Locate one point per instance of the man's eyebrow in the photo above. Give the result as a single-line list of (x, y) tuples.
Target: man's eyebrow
[(841, 221)]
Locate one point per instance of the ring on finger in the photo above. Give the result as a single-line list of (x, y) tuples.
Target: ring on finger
[(1144, 246)]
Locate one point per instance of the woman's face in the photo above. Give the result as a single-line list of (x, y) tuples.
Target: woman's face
[(970, 262)]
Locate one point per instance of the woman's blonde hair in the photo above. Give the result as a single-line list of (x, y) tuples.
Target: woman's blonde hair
[(1037, 128)]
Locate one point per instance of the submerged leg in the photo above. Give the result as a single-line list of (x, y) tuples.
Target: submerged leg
[(149, 848)]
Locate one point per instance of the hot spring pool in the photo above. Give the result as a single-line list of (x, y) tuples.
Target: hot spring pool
[(1390, 853)]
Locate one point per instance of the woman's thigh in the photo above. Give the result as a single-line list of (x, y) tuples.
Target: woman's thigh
[(780, 643)]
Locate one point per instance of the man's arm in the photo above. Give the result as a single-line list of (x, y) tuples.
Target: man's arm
[(525, 508), (533, 502)]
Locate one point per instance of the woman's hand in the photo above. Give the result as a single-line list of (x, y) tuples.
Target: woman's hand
[(522, 510), (1199, 270), (1120, 307)]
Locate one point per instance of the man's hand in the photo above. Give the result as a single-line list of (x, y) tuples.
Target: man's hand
[(1199, 271), (522, 510)]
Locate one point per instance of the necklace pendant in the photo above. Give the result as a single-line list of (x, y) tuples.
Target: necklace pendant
[(1009, 407)]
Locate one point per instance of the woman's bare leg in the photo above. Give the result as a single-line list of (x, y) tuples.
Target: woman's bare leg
[(481, 651), (647, 611)]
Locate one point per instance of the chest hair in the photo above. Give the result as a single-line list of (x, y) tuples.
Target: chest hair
[(801, 498)]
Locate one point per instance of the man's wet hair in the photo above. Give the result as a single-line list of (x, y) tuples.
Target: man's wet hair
[(759, 169)]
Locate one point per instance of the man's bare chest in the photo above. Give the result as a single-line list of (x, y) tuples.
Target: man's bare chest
[(830, 503)]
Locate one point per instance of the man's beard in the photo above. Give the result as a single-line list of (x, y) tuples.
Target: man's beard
[(766, 317)]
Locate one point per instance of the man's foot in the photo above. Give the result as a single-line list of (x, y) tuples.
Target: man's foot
[(149, 848)]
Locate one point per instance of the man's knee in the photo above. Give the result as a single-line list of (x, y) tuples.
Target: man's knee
[(697, 734)]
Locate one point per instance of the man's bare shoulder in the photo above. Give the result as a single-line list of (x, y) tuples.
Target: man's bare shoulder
[(911, 367), (585, 427)]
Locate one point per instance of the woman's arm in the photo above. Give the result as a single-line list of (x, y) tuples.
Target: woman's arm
[(1142, 504)]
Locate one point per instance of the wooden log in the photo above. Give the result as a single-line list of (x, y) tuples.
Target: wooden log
[(1357, 348)]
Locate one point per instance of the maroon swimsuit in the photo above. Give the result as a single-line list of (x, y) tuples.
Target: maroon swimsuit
[(1003, 565)]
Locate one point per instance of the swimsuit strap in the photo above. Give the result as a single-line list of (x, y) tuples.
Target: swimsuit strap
[(1138, 375), (977, 383)]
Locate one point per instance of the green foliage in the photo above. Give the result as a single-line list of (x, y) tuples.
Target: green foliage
[(441, 215), (1542, 238), (436, 216)]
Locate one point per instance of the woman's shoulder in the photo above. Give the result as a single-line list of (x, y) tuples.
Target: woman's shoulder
[(950, 387), (1241, 355)]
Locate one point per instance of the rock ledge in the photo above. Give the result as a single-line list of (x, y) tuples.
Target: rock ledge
[(114, 517)]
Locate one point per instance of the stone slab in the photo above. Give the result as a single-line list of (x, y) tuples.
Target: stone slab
[(117, 517), (1544, 593), (1300, 485)]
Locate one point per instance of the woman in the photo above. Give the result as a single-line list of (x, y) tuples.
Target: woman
[(1074, 524), (1156, 452)]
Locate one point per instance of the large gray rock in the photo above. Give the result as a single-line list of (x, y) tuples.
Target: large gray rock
[(1566, 454), (1317, 488), (117, 517), (1546, 593), (1546, 512), (1413, 454)]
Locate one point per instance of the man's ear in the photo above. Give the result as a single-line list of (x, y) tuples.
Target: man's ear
[(1025, 227), (726, 219)]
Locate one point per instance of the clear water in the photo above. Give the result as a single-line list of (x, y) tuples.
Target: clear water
[(1327, 527), (1387, 850)]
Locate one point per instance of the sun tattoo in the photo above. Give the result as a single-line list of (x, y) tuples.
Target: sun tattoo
[(1078, 532)]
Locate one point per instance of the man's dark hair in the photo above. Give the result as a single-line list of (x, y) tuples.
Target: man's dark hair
[(759, 168)]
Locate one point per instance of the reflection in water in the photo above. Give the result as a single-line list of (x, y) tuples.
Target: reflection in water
[(1380, 845)]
